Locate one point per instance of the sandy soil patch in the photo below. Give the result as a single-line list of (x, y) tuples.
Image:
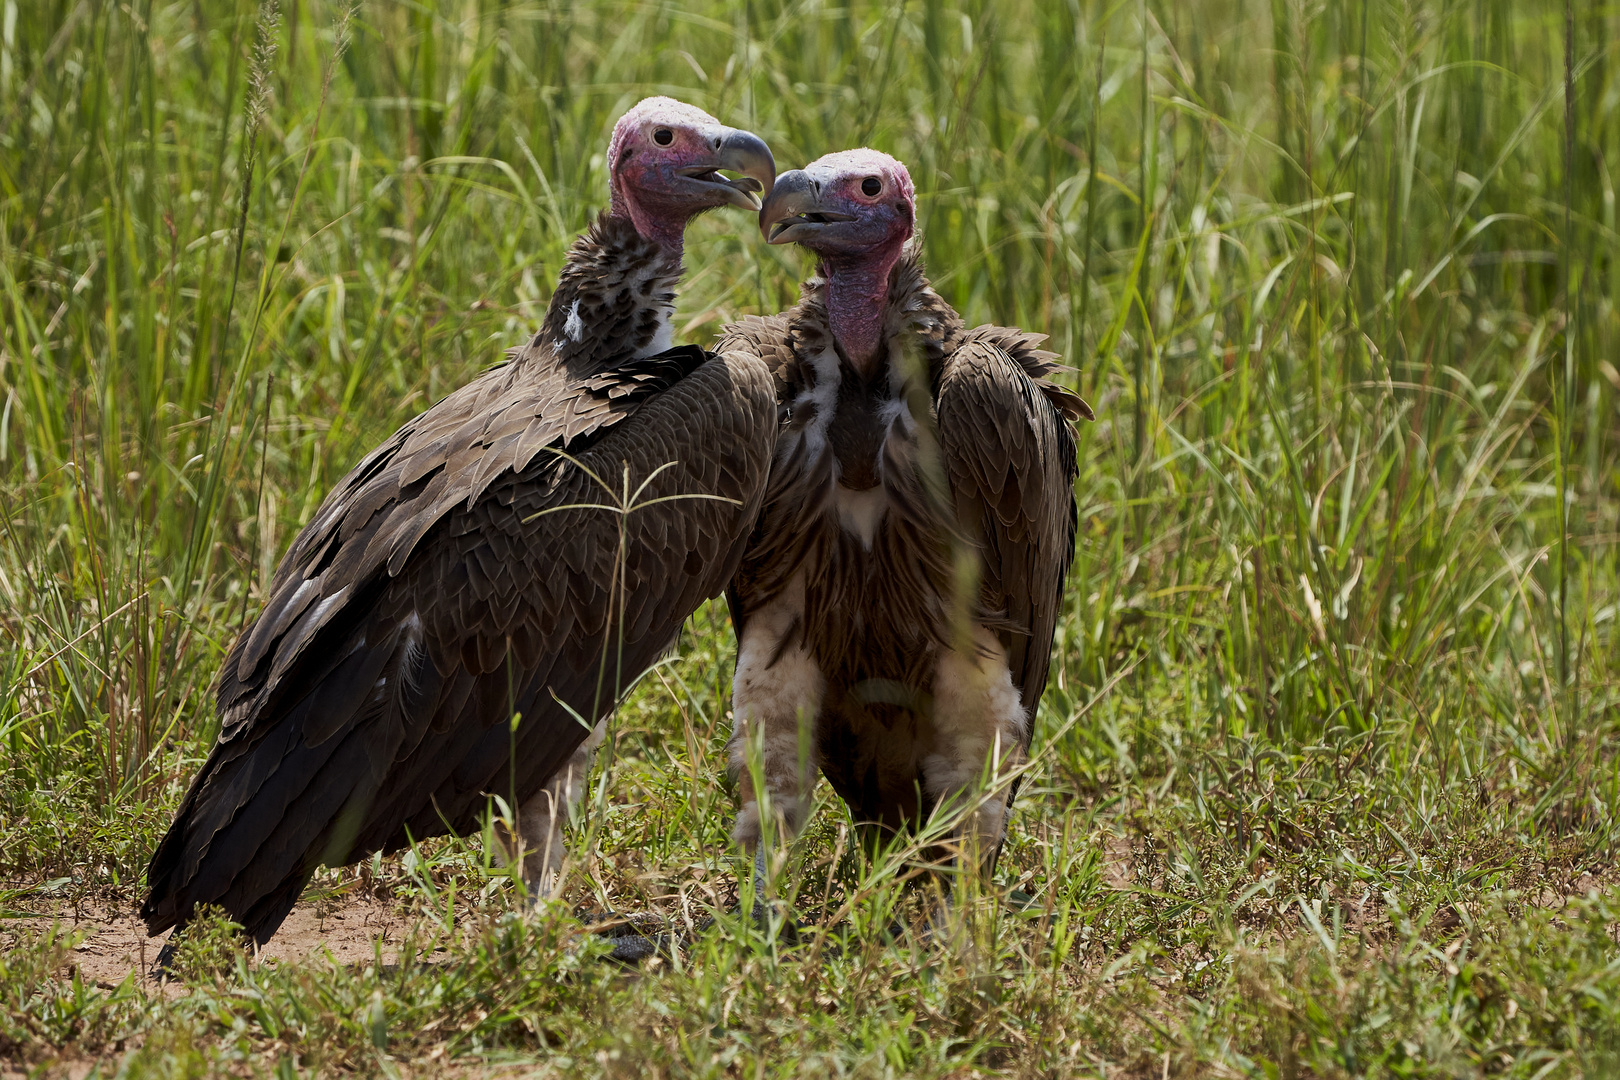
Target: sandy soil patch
[(115, 942)]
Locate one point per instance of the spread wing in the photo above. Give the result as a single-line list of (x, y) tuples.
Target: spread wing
[(469, 570), (1009, 454)]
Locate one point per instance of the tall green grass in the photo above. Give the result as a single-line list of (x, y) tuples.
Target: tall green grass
[(1338, 661)]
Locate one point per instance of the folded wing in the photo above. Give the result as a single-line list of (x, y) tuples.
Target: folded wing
[(1009, 452), (479, 566)]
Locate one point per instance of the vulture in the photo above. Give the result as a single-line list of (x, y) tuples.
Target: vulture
[(470, 602), (896, 603)]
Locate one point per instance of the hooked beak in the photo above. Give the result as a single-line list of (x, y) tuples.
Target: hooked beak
[(793, 212), (738, 152)]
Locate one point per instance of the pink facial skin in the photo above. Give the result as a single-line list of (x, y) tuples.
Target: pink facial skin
[(855, 209), (664, 160)]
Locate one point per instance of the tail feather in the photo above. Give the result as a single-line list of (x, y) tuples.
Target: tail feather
[(246, 795), (261, 814)]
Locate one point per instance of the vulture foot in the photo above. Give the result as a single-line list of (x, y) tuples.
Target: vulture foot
[(635, 938), (538, 841), (162, 968)]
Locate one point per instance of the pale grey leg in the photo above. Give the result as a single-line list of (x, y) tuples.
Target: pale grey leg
[(776, 697), (543, 819), (980, 726), (777, 690), (979, 720), (760, 877)]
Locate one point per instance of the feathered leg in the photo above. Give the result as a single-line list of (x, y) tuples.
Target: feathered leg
[(542, 819), (777, 692), (979, 721)]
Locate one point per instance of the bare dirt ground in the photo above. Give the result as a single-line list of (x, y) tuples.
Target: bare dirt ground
[(115, 942)]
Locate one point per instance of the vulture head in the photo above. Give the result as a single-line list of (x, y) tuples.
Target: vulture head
[(856, 209), (665, 160), (852, 204)]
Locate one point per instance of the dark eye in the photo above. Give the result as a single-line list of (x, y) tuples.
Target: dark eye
[(663, 136), (871, 185)]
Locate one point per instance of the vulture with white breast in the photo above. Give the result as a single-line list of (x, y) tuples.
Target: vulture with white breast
[(901, 589), (469, 592)]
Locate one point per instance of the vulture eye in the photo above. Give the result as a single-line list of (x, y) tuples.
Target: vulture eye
[(663, 136), (871, 185)]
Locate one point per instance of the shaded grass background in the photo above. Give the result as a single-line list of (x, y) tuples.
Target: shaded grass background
[(1340, 279)]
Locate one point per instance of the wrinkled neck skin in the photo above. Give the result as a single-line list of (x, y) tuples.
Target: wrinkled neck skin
[(667, 231), (857, 292)]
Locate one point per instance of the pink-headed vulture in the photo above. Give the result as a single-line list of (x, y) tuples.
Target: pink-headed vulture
[(475, 568), (900, 591)]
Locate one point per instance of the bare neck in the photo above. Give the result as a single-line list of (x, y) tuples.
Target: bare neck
[(857, 295), (667, 232)]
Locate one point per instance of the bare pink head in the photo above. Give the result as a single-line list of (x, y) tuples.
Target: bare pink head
[(665, 160), (855, 209), (853, 203)]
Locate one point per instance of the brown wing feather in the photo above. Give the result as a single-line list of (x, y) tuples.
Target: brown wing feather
[(1010, 455), (767, 337), (788, 532), (408, 623)]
